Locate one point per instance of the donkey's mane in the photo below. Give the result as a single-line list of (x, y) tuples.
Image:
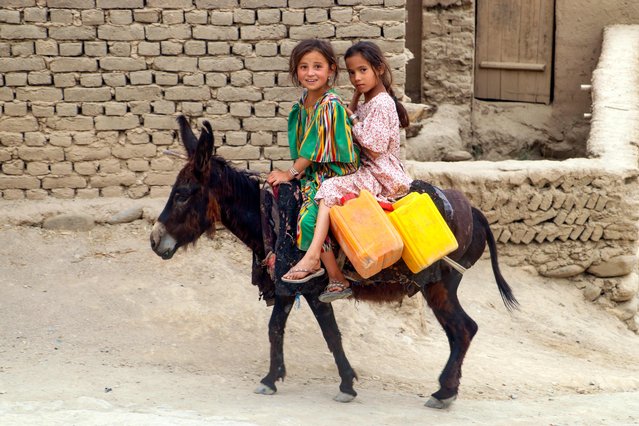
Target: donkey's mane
[(237, 193), (238, 186)]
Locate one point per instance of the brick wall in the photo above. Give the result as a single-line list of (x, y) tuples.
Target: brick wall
[(89, 89)]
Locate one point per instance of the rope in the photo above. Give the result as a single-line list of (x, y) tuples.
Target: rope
[(455, 265)]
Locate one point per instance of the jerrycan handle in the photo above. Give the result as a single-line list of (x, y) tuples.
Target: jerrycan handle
[(347, 197), (383, 204), (387, 207)]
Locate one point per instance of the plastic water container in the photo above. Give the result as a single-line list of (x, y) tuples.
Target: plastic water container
[(365, 234), (426, 235)]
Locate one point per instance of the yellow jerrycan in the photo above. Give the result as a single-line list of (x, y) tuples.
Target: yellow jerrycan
[(365, 233), (427, 238)]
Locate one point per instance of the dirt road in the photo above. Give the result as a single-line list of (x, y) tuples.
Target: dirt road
[(96, 329)]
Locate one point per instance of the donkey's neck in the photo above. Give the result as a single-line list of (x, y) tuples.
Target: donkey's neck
[(239, 198)]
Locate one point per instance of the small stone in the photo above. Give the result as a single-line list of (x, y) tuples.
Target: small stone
[(69, 222), (564, 271), (417, 112), (633, 323), (591, 292), (626, 310), (458, 156), (413, 129), (126, 216), (615, 267), (626, 288)]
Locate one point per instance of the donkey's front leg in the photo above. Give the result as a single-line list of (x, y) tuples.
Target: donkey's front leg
[(276, 325), (326, 318)]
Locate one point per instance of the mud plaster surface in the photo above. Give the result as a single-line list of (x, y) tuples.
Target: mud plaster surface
[(96, 329)]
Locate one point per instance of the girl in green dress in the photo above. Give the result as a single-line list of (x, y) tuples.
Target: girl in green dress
[(320, 141)]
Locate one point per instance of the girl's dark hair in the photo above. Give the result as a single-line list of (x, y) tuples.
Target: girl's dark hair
[(374, 56), (312, 45)]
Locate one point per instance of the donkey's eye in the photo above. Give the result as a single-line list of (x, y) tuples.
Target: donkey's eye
[(181, 197)]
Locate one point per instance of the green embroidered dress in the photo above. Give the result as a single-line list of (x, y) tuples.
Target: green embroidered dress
[(323, 135)]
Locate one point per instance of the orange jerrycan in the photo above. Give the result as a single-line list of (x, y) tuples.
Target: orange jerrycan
[(426, 235), (364, 232)]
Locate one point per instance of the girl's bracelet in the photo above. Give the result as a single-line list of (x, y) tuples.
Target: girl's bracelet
[(353, 117), (293, 172)]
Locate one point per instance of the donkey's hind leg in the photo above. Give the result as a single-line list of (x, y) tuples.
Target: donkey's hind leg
[(276, 325), (326, 319), (460, 329)]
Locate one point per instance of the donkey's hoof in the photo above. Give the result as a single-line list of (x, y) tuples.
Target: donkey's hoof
[(440, 403), (344, 397), (262, 389)]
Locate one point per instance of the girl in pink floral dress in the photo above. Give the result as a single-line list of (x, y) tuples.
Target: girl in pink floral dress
[(376, 127)]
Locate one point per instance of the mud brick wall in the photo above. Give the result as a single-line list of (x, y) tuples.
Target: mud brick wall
[(89, 89), (577, 218), (448, 51)]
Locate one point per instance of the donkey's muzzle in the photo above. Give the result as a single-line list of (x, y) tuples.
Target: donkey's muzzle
[(162, 243)]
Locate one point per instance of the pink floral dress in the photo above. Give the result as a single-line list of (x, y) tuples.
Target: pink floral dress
[(381, 171)]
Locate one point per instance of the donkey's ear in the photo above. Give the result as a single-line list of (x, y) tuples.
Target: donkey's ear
[(188, 138), (207, 133), (208, 127), (204, 151)]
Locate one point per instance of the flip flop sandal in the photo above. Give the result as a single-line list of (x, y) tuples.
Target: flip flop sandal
[(312, 273), (328, 296)]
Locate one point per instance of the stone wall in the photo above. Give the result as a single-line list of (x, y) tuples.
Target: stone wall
[(577, 218), (448, 51), (89, 89)]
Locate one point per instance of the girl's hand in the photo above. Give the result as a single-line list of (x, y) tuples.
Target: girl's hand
[(278, 176), (346, 107)]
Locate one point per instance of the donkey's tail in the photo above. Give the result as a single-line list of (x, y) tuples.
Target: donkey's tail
[(504, 289)]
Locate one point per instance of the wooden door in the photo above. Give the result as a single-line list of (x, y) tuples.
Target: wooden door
[(514, 50), (414, 38)]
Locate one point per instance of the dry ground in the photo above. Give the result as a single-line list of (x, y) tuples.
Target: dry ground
[(96, 329)]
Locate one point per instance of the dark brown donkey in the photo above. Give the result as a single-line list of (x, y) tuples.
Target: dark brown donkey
[(208, 189)]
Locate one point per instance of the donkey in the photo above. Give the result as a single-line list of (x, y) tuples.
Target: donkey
[(209, 190)]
